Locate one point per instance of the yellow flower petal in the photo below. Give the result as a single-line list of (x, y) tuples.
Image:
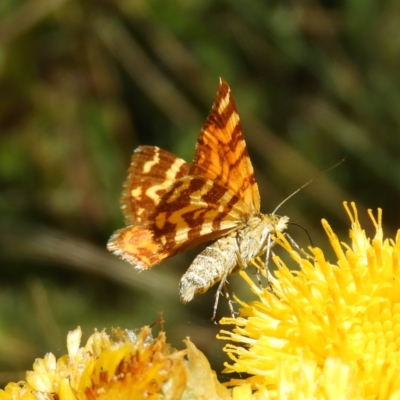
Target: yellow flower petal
[(202, 382)]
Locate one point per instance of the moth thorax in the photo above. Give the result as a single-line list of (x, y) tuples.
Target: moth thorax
[(254, 220), (270, 223)]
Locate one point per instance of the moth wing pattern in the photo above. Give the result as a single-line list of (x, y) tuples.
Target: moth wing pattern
[(221, 153), (151, 173), (194, 210)]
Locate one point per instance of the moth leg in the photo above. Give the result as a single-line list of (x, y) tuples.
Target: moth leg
[(258, 277), (230, 302), (268, 254), (223, 289), (242, 267), (294, 244), (239, 260)]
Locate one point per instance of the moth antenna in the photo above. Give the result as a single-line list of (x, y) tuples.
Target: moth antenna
[(304, 229), (307, 183)]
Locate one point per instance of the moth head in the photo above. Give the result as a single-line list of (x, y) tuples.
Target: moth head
[(281, 223)]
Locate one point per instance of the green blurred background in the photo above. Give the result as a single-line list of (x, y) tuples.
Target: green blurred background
[(82, 83)]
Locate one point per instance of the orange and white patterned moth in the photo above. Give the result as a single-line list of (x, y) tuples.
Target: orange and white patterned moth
[(170, 205)]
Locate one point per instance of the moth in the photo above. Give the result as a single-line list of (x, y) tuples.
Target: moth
[(171, 205)]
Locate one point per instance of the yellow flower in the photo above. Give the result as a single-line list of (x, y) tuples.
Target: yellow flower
[(124, 366), (330, 330)]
